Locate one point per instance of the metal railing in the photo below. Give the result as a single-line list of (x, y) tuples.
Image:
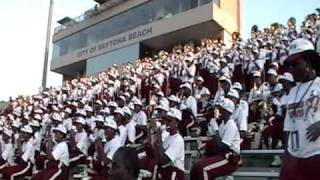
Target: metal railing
[(77, 19), (97, 10), (90, 12)]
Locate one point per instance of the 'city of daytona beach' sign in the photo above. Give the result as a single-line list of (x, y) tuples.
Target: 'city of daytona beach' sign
[(115, 42)]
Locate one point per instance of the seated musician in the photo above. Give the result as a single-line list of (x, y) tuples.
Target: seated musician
[(104, 153), (24, 156), (170, 152), (58, 157), (78, 143), (6, 149), (226, 146)]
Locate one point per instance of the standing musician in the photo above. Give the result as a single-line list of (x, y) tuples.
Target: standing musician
[(302, 119)]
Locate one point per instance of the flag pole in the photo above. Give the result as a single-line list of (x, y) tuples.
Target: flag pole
[(46, 52)]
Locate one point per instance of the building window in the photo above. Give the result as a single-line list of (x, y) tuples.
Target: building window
[(141, 15)]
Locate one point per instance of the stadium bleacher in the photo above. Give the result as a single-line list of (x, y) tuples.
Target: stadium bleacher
[(134, 81)]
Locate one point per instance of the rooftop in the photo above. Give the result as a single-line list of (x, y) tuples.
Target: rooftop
[(103, 5)]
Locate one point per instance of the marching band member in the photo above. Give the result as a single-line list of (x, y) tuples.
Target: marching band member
[(89, 118), (174, 101), (239, 115), (121, 100), (78, 143), (24, 156), (224, 85), (259, 88), (58, 157), (275, 118), (225, 158), (46, 119), (121, 121), (158, 76), (147, 160), (7, 149), (67, 121), (112, 106), (105, 153), (161, 98), (302, 155), (131, 131), (56, 119), (189, 68), (170, 152), (244, 107), (38, 136), (162, 110), (15, 125), (125, 165), (140, 118), (201, 93), (189, 109), (98, 131)]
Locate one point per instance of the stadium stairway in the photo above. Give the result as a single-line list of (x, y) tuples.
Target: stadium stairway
[(255, 163)]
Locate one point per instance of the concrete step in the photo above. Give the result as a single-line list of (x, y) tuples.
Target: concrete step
[(250, 173), (191, 157), (259, 158), (257, 172), (262, 152), (250, 158), (245, 153), (193, 143)]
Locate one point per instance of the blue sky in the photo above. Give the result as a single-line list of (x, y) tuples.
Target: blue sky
[(265, 12), (23, 31)]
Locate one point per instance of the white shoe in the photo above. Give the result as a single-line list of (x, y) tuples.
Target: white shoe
[(276, 161), (228, 178)]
